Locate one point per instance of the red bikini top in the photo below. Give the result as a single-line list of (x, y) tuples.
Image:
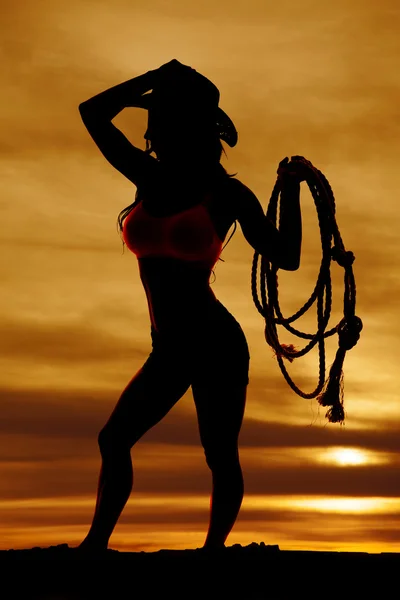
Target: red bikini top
[(188, 235)]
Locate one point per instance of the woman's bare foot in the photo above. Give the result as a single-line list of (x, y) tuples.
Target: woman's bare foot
[(213, 547), (91, 546)]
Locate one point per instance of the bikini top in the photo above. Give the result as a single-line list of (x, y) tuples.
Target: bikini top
[(188, 235)]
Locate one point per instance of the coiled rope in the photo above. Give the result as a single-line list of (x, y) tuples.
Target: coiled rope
[(330, 392)]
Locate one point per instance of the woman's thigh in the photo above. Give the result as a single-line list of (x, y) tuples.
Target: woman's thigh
[(220, 412), (149, 396), (220, 354), (219, 386), (212, 358)]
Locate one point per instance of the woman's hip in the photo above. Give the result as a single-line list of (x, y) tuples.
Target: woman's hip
[(213, 348)]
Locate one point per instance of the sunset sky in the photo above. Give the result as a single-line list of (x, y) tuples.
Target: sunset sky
[(311, 78)]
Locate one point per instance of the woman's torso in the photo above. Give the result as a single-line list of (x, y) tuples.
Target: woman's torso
[(178, 291)]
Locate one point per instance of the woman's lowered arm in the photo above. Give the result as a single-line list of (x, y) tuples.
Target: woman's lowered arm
[(281, 246), (290, 226)]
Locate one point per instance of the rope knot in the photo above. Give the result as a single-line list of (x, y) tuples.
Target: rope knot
[(349, 332), (343, 258)]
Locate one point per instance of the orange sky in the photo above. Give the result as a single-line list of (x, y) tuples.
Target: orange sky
[(309, 78)]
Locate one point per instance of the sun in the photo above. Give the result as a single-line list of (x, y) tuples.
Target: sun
[(346, 457)]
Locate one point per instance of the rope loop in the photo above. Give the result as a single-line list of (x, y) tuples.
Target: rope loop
[(329, 392)]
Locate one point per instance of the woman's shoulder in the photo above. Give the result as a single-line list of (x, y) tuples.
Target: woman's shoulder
[(237, 187), (236, 192)]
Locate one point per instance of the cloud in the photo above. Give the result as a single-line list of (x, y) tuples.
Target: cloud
[(45, 413), (57, 441), (78, 341)]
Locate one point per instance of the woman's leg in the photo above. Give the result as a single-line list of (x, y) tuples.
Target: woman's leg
[(220, 413), (147, 398), (219, 387)]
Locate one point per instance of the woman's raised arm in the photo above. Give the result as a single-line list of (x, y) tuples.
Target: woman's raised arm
[(106, 105), (97, 114)]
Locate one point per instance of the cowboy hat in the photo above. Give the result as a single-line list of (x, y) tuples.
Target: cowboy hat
[(190, 87)]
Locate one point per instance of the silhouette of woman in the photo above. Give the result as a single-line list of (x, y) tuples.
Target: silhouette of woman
[(185, 204)]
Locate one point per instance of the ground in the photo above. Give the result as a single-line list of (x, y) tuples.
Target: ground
[(254, 572)]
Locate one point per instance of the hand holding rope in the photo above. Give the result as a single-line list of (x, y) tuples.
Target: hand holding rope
[(330, 392)]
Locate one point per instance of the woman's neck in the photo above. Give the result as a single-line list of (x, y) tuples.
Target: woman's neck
[(201, 173)]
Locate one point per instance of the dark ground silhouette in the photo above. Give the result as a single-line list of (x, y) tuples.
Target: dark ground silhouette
[(251, 572)]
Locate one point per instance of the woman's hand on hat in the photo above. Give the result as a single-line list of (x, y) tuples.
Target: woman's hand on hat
[(173, 67)]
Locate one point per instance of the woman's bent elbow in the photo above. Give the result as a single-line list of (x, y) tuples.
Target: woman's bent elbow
[(84, 110)]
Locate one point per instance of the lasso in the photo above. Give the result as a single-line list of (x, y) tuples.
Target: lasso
[(330, 392)]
